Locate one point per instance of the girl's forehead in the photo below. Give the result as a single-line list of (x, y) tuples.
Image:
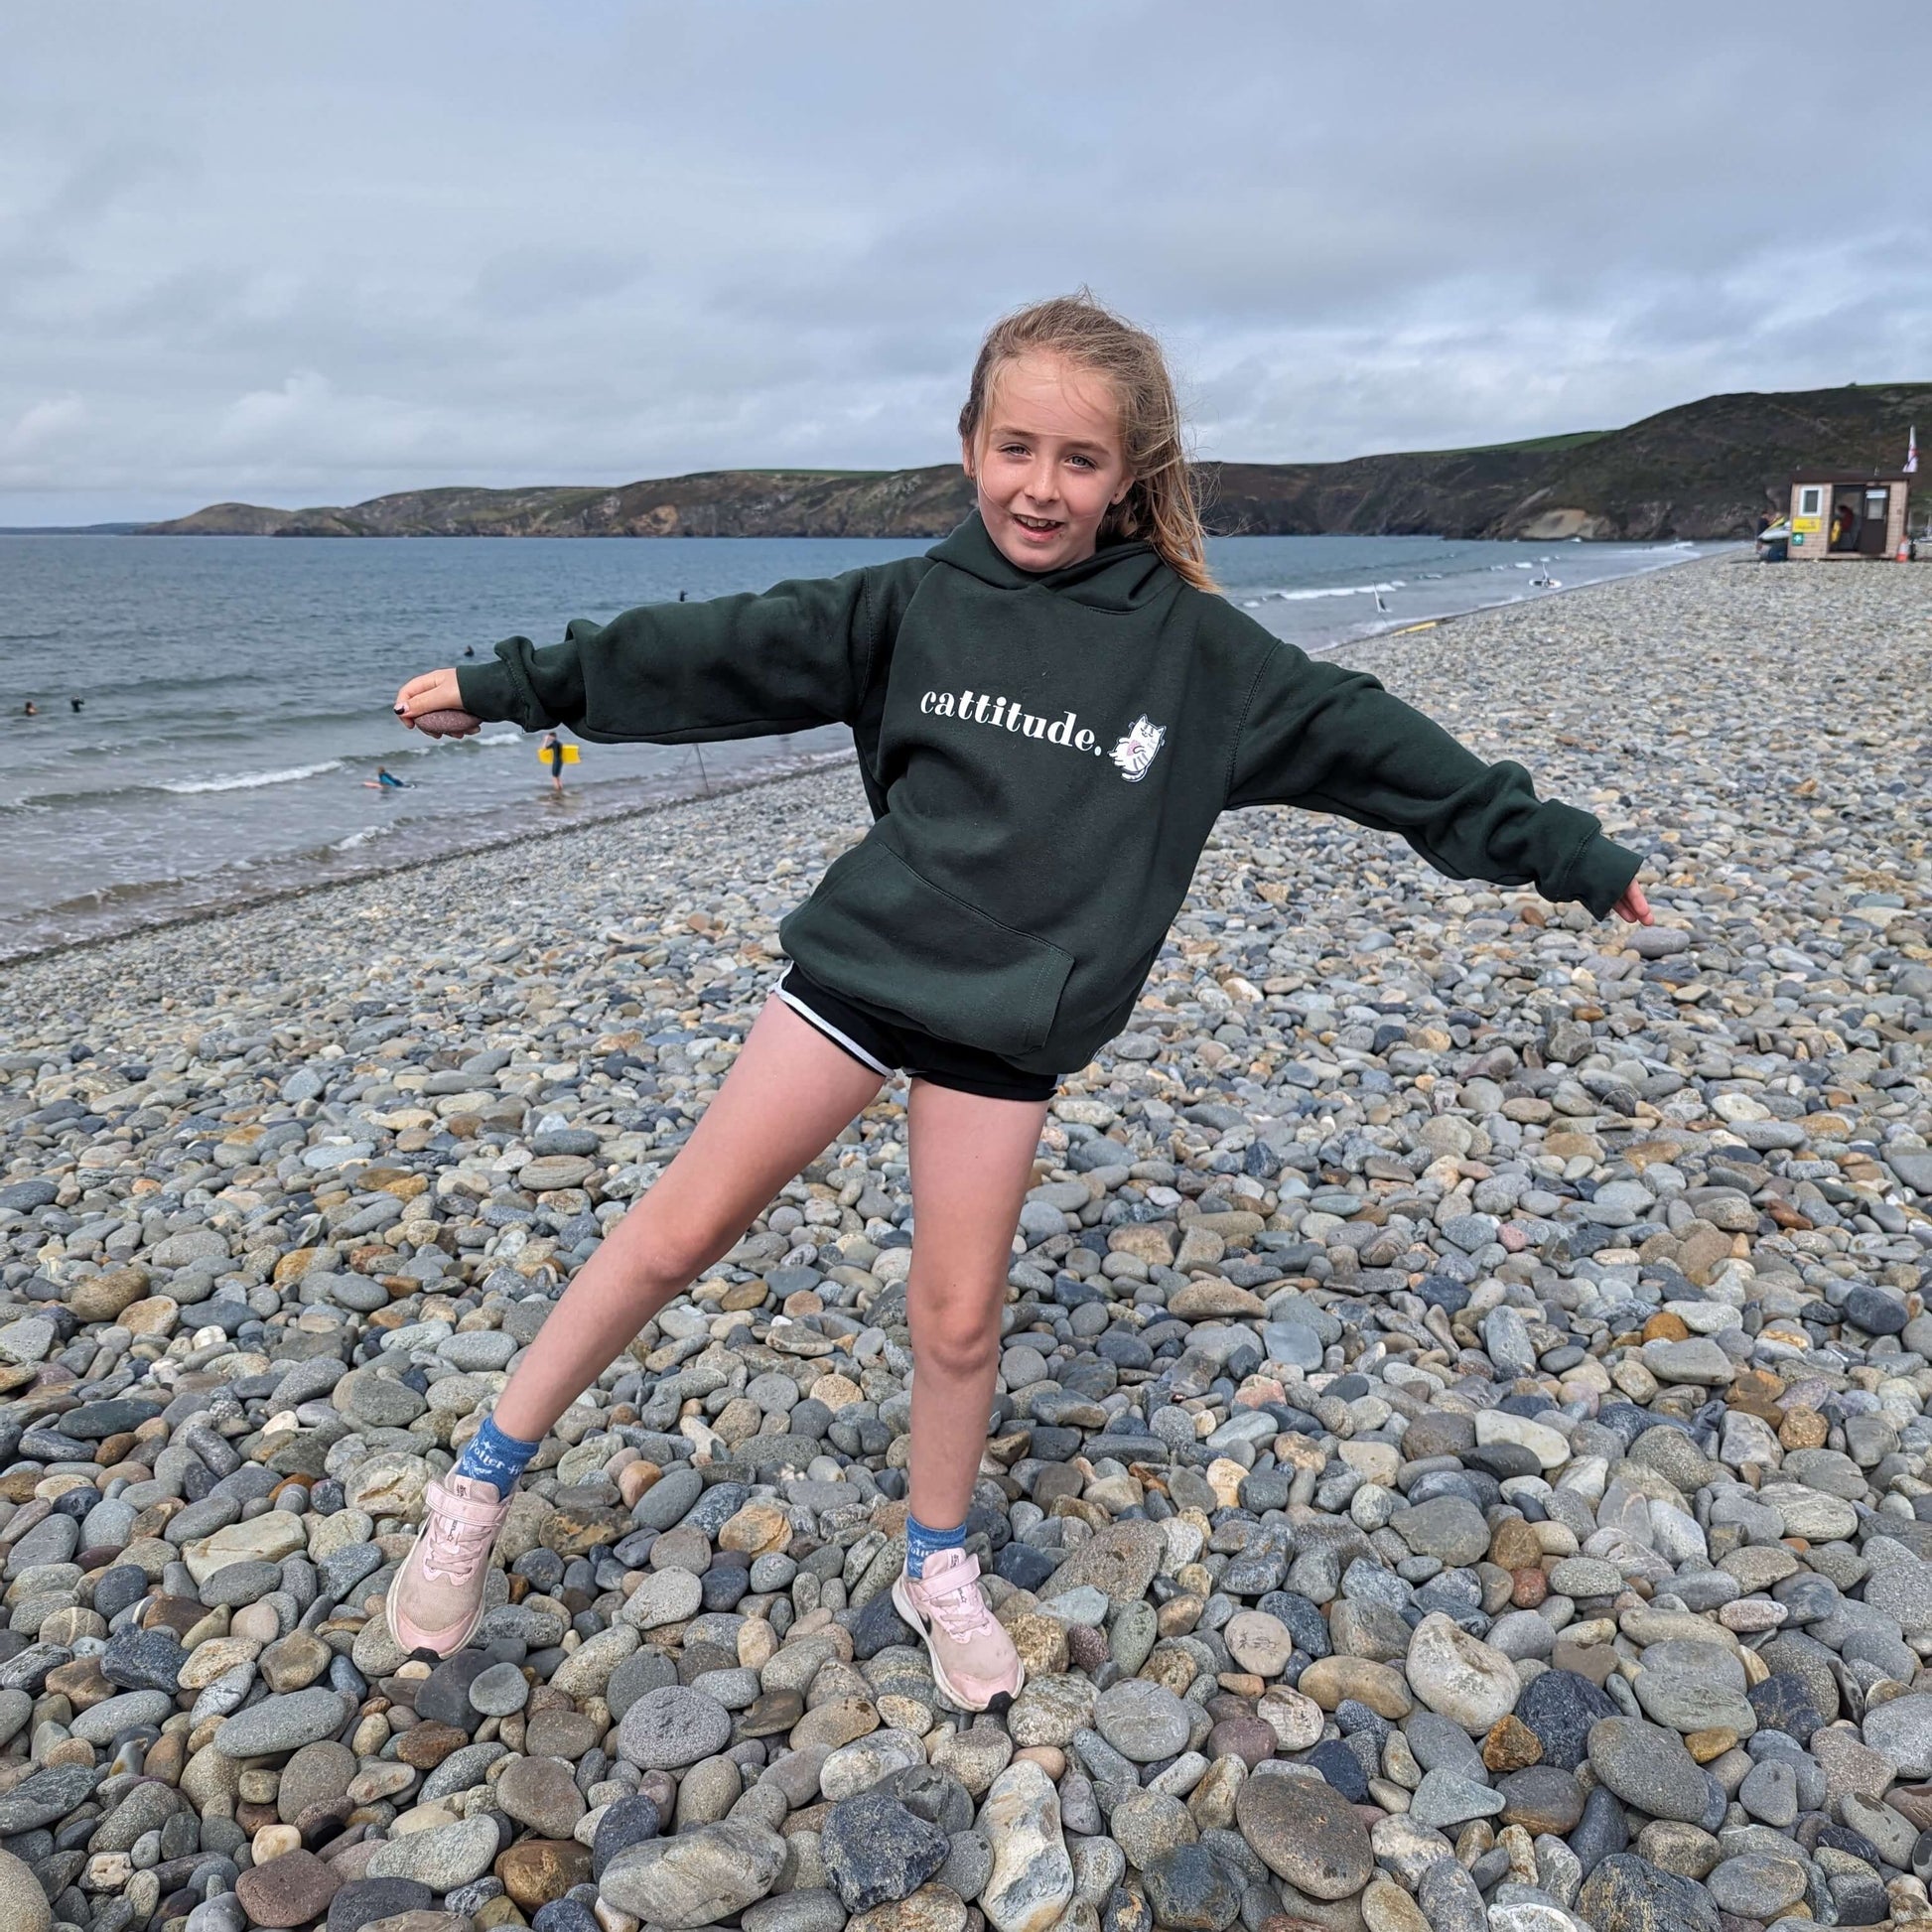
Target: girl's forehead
[(1051, 396)]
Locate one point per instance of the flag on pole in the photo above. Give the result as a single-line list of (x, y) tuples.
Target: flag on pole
[(1912, 451)]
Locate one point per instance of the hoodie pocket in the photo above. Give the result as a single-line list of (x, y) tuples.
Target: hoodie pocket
[(887, 936)]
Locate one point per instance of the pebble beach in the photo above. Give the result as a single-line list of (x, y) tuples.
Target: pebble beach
[(1460, 1460)]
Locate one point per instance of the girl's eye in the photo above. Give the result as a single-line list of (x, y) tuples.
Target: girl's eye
[(1087, 460), (1013, 449)]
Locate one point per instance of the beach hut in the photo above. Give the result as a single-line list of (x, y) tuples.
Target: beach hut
[(1833, 514)]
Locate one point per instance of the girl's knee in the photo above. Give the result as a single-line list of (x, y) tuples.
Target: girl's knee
[(676, 1248), (960, 1349)]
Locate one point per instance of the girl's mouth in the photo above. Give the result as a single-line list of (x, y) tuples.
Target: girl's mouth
[(1039, 526)]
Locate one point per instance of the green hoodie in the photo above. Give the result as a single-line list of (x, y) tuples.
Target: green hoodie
[(1044, 757)]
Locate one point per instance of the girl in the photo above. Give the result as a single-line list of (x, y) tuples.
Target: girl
[(1051, 709)]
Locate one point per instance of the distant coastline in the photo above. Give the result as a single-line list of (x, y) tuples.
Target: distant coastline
[(1707, 471), (74, 529), (1704, 471)]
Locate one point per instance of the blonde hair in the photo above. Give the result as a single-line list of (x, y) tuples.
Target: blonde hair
[(1160, 507)]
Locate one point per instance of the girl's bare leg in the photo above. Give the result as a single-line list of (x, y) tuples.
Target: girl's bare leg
[(787, 1098), (971, 1166)]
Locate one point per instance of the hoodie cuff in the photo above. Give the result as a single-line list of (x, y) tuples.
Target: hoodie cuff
[(493, 692), (1602, 873)]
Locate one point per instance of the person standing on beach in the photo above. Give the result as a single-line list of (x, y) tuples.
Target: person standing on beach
[(1052, 708), (552, 748)]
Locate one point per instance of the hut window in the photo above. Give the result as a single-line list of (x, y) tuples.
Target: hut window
[(1809, 500)]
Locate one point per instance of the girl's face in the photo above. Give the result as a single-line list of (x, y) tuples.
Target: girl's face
[(1049, 463)]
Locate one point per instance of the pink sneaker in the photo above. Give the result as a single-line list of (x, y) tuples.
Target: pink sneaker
[(437, 1598), (973, 1659)]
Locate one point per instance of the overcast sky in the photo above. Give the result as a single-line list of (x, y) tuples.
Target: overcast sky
[(304, 255)]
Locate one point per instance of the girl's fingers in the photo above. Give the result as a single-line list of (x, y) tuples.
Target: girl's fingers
[(433, 691), (1635, 907)]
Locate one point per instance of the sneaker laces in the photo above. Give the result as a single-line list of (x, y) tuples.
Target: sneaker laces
[(958, 1608), (452, 1548)]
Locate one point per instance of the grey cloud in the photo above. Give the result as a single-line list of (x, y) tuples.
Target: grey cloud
[(312, 257)]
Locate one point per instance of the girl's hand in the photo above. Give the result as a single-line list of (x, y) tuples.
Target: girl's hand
[(433, 691), (1634, 906)]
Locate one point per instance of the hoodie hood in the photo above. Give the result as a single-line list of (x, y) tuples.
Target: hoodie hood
[(1118, 577)]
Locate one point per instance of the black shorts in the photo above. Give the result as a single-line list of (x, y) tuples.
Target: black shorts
[(886, 1045)]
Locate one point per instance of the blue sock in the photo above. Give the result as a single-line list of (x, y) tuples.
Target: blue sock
[(496, 1458), (921, 1543)]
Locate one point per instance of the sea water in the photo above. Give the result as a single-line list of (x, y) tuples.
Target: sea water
[(235, 692)]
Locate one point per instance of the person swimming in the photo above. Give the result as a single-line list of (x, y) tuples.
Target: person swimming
[(387, 780)]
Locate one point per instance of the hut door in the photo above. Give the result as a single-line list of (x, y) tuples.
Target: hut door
[(1871, 532)]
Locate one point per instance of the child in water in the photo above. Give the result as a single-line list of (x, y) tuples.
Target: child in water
[(1051, 709)]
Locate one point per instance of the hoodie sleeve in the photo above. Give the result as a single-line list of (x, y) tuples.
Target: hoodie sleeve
[(745, 666), (1334, 740)]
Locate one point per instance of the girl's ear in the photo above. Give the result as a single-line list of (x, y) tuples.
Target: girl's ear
[(966, 458)]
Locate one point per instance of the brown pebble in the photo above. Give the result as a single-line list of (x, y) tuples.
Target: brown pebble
[(635, 1478), (537, 1871), (289, 1891), (177, 1613), (1528, 1588), (1511, 1745), (1803, 1429), (82, 1683), (1514, 1546), (426, 1745), (1248, 1737), (1757, 1392), (1178, 1616), (167, 1758)]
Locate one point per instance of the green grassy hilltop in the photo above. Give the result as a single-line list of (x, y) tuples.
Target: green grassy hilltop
[(1703, 470)]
